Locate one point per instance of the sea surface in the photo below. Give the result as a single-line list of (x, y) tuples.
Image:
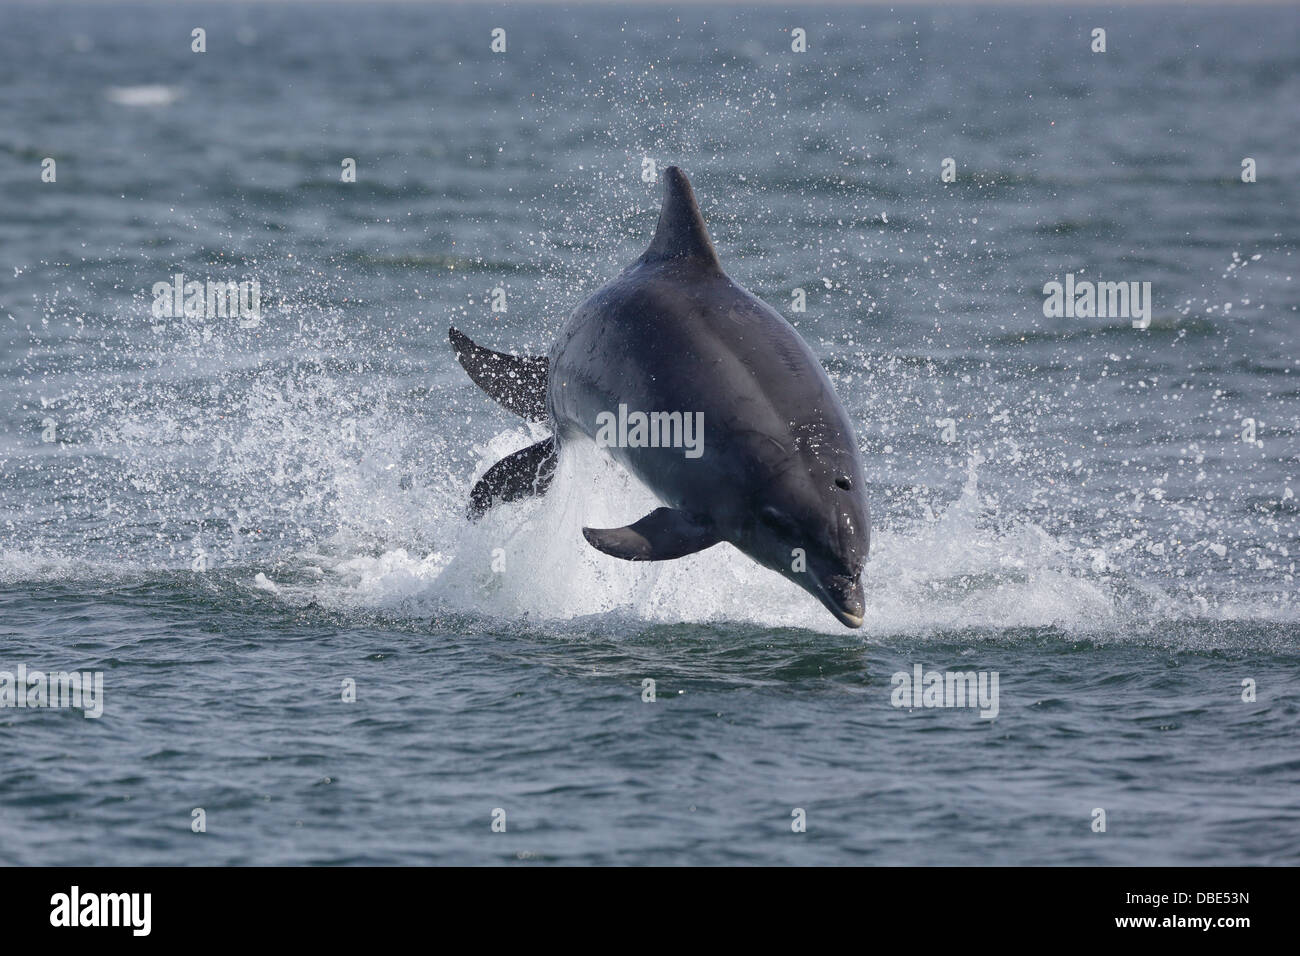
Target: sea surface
[(243, 526)]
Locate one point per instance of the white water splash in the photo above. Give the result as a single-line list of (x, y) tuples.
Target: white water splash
[(530, 560)]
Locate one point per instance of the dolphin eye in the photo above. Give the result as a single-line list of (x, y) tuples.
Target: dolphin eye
[(844, 483)]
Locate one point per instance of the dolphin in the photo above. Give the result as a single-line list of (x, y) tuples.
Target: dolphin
[(710, 398)]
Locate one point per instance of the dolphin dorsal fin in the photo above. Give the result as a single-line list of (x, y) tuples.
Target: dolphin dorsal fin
[(680, 233)]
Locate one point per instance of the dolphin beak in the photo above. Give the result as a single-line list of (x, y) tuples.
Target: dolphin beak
[(844, 597)]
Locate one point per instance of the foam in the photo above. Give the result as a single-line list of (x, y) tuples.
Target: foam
[(530, 559)]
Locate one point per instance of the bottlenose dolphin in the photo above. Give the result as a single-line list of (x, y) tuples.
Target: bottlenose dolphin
[(711, 399)]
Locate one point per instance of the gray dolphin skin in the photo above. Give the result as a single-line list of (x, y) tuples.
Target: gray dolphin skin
[(710, 398)]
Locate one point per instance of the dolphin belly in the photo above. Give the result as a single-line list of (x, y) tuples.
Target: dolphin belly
[(710, 350)]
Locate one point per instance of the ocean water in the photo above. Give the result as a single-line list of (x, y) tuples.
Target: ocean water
[(233, 523)]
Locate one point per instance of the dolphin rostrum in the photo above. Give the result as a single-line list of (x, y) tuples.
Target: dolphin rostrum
[(711, 399)]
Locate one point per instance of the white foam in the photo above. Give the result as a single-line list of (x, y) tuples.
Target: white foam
[(530, 559), (147, 95)]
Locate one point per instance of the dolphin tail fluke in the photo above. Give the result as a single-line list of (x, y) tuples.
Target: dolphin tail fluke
[(526, 473), (662, 535), (517, 382)]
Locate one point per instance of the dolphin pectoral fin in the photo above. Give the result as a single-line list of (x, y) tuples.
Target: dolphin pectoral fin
[(517, 382), (526, 473), (662, 535)]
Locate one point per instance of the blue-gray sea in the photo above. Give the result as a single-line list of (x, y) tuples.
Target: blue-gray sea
[(238, 522)]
